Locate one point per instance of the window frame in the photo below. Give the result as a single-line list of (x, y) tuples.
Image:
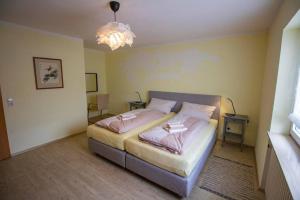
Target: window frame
[(295, 130), (295, 134)]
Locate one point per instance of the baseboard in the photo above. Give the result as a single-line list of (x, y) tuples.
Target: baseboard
[(44, 144)]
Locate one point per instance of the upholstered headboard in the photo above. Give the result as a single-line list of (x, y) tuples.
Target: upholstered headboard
[(211, 100)]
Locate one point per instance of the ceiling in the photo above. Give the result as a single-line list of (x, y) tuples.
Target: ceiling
[(294, 23), (153, 22)]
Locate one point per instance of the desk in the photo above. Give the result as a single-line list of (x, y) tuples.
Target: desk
[(239, 119), (136, 105)]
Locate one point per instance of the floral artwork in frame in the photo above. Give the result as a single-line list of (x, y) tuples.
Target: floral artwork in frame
[(48, 73)]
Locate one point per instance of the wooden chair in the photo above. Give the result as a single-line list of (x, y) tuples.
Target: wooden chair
[(102, 104)]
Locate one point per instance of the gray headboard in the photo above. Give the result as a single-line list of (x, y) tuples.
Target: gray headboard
[(211, 100)]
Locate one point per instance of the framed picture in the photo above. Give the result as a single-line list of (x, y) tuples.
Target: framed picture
[(91, 82), (48, 73)]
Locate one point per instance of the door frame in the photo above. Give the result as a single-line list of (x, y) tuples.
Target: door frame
[(4, 142)]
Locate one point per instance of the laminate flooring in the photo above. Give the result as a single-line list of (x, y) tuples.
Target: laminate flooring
[(66, 169)]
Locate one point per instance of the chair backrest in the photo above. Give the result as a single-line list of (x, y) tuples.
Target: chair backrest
[(102, 101)]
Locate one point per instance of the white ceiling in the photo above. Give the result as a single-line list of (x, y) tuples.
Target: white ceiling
[(153, 22), (295, 22)]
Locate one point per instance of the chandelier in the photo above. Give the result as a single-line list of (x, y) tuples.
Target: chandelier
[(115, 34)]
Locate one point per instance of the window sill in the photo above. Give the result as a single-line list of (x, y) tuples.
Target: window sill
[(288, 155)]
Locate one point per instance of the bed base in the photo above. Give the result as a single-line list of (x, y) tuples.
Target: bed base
[(173, 182), (180, 185), (115, 155)]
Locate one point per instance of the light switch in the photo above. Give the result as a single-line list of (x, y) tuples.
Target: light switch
[(10, 102)]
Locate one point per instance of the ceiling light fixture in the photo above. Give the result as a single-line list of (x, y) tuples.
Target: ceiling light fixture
[(115, 34)]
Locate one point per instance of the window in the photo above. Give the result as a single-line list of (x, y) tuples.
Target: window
[(295, 116)]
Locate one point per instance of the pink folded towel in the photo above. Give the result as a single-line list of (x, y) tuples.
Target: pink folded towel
[(126, 118), (127, 115), (176, 130), (175, 125)]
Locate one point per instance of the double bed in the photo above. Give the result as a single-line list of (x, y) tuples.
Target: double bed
[(111, 145), (174, 172)]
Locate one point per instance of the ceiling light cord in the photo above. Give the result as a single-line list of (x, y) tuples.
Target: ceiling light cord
[(114, 6)]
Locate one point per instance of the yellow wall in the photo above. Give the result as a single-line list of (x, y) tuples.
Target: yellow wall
[(40, 116), (230, 66), (95, 63), (286, 12)]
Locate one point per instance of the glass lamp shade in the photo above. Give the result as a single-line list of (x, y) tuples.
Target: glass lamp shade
[(115, 35)]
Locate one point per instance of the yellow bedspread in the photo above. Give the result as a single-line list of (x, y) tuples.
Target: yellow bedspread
[(179, 164), (117, 140)]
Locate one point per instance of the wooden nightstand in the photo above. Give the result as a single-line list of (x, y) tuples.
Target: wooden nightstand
[(237, 119), (136, 104)]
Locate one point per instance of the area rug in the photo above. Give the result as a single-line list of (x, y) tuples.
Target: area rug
[(229, 179), (232, 152)]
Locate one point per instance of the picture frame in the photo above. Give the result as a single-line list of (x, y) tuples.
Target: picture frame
[(48, 73), (91, 82)]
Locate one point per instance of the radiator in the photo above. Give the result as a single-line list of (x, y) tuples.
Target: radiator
[(276, 186)]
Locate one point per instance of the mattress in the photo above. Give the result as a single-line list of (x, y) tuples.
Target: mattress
[(116, 140), (181, 165)]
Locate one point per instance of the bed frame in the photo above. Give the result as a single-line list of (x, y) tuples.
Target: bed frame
[(115, 155), (173, 182), (211, 100)]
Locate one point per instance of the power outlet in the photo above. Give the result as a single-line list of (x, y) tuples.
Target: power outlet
[(10, 102)]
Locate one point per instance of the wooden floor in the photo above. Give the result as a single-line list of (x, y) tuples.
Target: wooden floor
[(67, 170)]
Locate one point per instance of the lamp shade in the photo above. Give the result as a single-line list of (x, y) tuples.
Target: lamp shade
[(115, 35)]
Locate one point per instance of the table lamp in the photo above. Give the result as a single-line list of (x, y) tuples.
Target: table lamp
[(231, 114), (139, 96)]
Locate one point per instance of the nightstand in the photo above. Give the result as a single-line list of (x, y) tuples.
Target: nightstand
[(136, 104), (240, 120)]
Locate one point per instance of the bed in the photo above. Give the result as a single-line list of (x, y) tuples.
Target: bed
[(177, 173), (141, 160), (110, 145), (181, 165)]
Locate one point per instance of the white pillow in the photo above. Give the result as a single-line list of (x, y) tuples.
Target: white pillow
[(161, 105), (197, 110)]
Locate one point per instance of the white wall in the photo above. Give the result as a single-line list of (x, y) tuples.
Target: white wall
[(40, 116), (286, 12), (286, 81)]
